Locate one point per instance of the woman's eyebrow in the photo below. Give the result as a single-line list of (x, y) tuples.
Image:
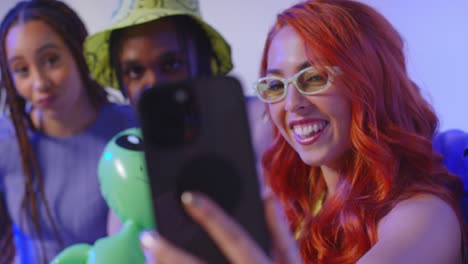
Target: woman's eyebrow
[(279, 72)]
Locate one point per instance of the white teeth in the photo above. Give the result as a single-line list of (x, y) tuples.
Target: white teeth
[(316, 127), (307, 129)]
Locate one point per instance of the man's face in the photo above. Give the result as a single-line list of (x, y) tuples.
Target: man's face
[(154, 53)]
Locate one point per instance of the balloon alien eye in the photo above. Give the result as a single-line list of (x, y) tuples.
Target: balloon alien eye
[(466, 153), (131, 142)]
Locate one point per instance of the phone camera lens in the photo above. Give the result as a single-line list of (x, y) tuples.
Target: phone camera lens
[(180, 96)]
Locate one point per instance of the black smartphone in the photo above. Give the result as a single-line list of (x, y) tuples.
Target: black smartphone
[(197, 138)]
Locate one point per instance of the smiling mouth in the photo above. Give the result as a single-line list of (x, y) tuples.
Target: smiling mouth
[(307, 133), (309, 129)]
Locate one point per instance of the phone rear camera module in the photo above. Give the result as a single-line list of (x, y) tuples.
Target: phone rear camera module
[(181, 96), (174, 116)]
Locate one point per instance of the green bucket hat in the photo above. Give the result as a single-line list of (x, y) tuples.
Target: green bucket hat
[(135, 12)]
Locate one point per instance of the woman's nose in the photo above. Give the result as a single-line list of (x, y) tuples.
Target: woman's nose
[(294, 100), (41, 81)]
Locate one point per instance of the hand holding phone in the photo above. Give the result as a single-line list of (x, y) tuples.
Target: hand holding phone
[(197, 139), (234, 242)]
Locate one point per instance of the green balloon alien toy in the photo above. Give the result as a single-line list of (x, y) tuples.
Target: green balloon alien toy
[(125, 187)]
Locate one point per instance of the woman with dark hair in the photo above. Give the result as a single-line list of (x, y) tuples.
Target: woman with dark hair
[(61, 121), (352, 161)]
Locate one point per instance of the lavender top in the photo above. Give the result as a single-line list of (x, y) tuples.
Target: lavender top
[(69, 169)]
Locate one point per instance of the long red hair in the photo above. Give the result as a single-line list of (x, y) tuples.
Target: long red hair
[(391, 156)]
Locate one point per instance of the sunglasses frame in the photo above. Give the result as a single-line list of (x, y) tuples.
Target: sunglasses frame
[(334, 71)]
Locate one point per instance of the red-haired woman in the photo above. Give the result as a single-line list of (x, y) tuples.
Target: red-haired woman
[(352, 161)]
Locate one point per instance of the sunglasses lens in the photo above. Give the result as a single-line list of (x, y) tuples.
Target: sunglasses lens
[(311, 81), (270, 89)]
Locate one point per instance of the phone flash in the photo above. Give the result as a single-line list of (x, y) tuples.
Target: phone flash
[(181, 96)]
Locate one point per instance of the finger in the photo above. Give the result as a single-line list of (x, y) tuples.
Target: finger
[(230, 237), (285, 248), (159, 250)]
